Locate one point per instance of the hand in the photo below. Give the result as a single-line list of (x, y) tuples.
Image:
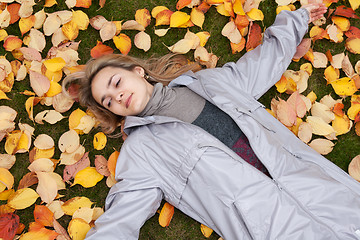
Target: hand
[(316, 10)]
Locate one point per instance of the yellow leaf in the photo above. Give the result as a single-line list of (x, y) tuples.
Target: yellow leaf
[(238, 8), (80, 19), (354, 4), (206, 231), (4, 195), (3, 34), (342, 23), (179, 18), (22, 198), (281, 84), (204, 36), (87, 177), (6, 179), (341, 125), (54, 89), (319, 126), (55, 64), (197, 17), (23, 143), (53, 76), (281, 8), (353, 45), (166, 215), (221, 9), (50, 3), (70, 30), (78, 229), (123, 43), (255, 14), (73, 204), (157, 10), (84, 213), (353, 110), (99, 140), (74, 119), (344, 86), (44, 153), (307, 67), (25, 24), (143, 17), (12, 142), (331, 74), (3, 95)]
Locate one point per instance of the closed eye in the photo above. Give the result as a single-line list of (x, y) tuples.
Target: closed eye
[(109, 103), (117, 83)]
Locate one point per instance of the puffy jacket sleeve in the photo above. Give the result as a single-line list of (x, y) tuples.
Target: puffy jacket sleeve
[(259, 69), (130, 202)]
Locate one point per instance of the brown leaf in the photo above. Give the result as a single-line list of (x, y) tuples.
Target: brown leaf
[(71, 170), (101, 165), (254, 37), (60, 229), (28, 180)]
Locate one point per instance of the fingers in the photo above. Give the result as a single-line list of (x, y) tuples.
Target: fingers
[(316, 10)]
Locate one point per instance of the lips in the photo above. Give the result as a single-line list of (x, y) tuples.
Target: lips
[(128, 101)]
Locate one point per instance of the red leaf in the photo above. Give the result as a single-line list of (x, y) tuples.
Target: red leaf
[(353, 32), (345, 12), (254, 37), (100, 50), (9, 223), (204, 7)]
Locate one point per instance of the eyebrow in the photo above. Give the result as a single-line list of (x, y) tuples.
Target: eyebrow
[(107, 86)]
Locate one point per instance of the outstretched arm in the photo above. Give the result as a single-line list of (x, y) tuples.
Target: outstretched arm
[(316, 10)]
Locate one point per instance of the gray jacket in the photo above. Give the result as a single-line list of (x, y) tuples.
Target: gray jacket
[(308, 197)]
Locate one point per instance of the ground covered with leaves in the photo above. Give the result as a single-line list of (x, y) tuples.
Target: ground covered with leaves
[(56, 166)]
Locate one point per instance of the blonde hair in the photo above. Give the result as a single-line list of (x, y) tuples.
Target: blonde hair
[(163, 69)]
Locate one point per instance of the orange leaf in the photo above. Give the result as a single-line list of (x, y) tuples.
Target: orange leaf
[(9, 223), (254, 37), (241, 21), (182, 3), (235, 48), (112, 162), (100, 50), (338, 109), (143, 17), (309, 55), (123, 43), (345, 12), (102, 3), (12, 42), (357, 128), (166, 215), (14, 10), (204, 7), (83, 3), (43, 215), (353, 32), (163, 17)]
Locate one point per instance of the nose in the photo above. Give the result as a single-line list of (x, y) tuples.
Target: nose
[(119, 97)]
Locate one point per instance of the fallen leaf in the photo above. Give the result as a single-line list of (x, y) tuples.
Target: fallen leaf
[(9, 223), (142, 41), (73, 204), (83, 3), (178, 19), (80, 19), (254, 37), (28, 180), (322, 146), (123, 43), (285, 113), (344, 86), (6, 179), (37, 40), (255, 14), (319, 126), (132, 25), (166, 215), (22, 198), (43, 215), (112, 162), (320, 60), (197, 17), (71, 170), (78, 229), (143, 17), (87, 177), (346, 12), (107, 31), (97, 22), (354, 168), (100, 50), (7, 161), (353, 45), (101, 165)]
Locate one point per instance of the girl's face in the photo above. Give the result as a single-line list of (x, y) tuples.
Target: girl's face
[(122, 92)]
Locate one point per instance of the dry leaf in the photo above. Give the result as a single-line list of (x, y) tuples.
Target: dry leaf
[(37, 40), (322, 146), (7, 161), (206, 231), (71, 170), (142, 41), (44, 141), (43, 215), (78, 229), (73, 204), (22, 198), (87, 177), (123, 43), (166, 215), (319, 126), (28, 180), (178, 19), (107, 31), (354, 168), (132, 25), (143, 17), (320, 60), (101, 165)]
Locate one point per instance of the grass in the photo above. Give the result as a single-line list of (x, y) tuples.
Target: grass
[(181, 227)]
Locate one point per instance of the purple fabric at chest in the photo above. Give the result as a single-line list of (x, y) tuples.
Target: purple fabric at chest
[(243, 149)]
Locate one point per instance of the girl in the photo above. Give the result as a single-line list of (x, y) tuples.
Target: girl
[(191, 143)]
